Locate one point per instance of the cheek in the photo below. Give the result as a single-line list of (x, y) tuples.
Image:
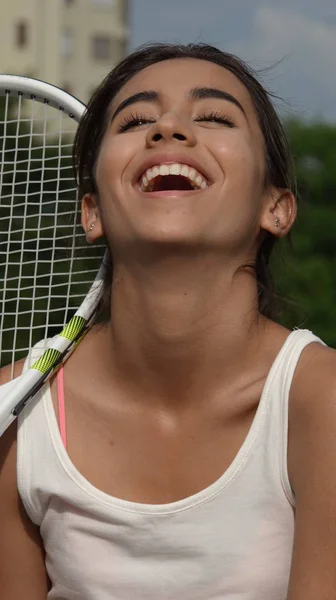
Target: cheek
[(242, 188), (114, 156), (242, 163), (106, 170), (110, 174)]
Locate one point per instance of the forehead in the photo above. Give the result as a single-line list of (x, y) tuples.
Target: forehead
[(175, 77)]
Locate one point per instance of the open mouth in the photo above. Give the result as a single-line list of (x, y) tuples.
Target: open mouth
[(162, 183), (177, 176)]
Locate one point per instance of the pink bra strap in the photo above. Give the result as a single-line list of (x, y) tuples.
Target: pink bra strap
[(61, 404)]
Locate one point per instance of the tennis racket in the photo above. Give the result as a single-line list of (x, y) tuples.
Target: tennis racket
[(46, 269)]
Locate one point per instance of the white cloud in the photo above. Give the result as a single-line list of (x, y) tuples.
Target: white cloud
[(301, 32), (308, 47)]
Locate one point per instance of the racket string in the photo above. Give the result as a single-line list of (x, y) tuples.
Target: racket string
[(46, 269)]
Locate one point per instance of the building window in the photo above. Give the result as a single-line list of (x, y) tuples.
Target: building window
[(67, 42), (21, 34), (101, 47)]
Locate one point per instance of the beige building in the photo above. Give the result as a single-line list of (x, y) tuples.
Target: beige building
[(70, 43)]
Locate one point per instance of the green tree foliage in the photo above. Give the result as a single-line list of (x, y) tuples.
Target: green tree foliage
[(308, 276)]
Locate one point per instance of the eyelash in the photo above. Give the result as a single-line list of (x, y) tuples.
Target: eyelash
[(134, 120), (216, 117)]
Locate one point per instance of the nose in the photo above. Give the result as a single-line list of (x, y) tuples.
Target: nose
[(170, 128)]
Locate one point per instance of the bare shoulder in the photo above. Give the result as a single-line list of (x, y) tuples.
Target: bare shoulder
[(312, 403), (312, 473), (22, 569), (7, 373), (314, 382)]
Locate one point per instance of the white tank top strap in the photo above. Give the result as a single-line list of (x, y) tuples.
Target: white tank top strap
[(33, 437), (277, 425)]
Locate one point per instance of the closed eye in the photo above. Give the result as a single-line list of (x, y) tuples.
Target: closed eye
[(215, 117), (137, 120), (131, 121)]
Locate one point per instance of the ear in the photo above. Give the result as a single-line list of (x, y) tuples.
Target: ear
[(91, 220), (279, 207)]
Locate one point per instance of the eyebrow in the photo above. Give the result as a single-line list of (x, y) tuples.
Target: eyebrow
[(201, 93), (196, 93), (148, 96)]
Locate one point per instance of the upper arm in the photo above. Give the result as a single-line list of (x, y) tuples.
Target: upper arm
[(312, 472), (22, 568)]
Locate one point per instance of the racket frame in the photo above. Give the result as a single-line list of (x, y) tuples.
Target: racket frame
[(41, 91), (16, 394)]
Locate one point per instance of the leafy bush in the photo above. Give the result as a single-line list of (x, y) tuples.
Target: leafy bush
[(309, 276)]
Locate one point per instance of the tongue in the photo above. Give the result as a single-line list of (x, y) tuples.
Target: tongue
[(171, 182)]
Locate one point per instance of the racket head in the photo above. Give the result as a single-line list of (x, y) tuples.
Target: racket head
[(47, 268)]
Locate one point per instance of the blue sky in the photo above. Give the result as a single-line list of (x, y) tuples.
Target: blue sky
[(301, 34)]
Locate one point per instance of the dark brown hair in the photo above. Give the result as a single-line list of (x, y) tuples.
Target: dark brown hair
[(279, 170)]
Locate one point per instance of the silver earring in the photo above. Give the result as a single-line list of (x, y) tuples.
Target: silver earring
[(277, 222), (91, 226)]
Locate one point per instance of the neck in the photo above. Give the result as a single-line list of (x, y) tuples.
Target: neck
[(178, 332)]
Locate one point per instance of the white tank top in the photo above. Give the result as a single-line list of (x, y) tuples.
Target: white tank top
[(233, 540)]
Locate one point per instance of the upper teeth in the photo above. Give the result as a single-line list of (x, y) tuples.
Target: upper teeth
[(196, 179)]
